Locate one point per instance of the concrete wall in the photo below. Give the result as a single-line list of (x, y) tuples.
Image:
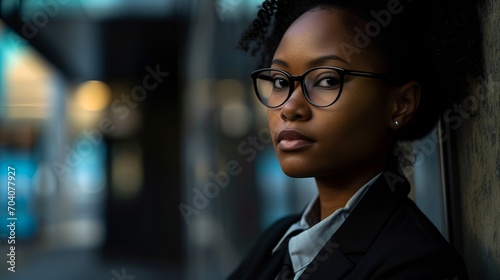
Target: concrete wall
[(479, 160)]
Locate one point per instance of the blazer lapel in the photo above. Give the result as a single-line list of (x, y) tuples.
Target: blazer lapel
[(367, 219), (343, 251)]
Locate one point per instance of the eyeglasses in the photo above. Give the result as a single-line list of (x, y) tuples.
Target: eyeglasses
[(321, 86)]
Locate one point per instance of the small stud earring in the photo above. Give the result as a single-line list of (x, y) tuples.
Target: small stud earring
[(396, 123)]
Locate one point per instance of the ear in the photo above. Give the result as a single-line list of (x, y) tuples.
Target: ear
[(407, 98)]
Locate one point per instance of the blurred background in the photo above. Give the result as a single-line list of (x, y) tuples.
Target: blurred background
[(138, 147)]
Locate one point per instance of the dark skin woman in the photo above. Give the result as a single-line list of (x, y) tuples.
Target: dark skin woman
[(344, 83)]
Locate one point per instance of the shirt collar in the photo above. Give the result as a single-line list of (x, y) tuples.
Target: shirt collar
[(306, 245)]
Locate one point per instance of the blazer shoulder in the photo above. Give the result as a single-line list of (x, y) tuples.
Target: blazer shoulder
[(415, 225), (416, 248), (388, 237)]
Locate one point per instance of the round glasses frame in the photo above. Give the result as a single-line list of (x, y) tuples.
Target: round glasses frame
[(300, 78)]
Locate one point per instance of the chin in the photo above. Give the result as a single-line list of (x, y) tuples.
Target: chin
[(296, 171), (297, 166)]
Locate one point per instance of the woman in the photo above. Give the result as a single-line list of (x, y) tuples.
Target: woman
[(344, 82)]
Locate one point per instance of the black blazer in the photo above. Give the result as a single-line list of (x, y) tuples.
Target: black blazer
[(385, 237)]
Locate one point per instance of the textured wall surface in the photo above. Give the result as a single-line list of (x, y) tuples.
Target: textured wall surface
[(479, 160)]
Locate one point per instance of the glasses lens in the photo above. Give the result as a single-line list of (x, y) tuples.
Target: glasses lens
[(272, 87), (323, 86)]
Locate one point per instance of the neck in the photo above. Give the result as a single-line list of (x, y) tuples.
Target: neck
[(335, 190)]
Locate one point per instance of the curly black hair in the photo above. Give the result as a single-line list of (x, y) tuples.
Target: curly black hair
[(436, 43)]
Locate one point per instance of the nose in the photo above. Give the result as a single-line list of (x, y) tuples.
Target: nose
[(296, 107)]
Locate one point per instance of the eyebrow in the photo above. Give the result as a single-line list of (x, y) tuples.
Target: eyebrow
[(315, 62)]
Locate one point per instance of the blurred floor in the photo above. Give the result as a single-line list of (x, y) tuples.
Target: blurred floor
[(81, 264)]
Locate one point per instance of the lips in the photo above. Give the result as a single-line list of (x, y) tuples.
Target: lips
[(292, 140)]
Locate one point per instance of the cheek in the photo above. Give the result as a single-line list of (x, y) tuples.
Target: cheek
[(273, 119), (355, 126), (366, 106)]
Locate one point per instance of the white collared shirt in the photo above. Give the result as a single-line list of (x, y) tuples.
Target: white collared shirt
[(306, 245)]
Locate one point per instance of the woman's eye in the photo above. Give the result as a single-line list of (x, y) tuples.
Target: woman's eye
[(328, 82), (280, 83)]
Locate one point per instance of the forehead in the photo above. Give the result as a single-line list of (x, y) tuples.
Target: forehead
[(322, 32), (318, 21)]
